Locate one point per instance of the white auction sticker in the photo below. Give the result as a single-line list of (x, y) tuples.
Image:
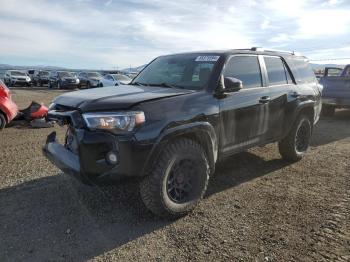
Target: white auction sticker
[(207, 58)]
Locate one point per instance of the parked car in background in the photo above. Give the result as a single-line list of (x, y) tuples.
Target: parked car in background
[(89, 79), (41, 78), (114, 80), (31, 73), (180, 116), (17, 78), (63, 80), (336, 89), (8, 109)]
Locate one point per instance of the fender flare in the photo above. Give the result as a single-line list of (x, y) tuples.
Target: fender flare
[(303, 105), (203, 132)]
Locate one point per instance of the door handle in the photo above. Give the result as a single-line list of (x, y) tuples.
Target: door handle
[(264, 99), (295, 94)]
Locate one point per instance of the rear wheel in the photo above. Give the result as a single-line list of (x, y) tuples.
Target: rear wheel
[(295, 144), (328, 110), (2, 121), (88, 85), (177, 181)]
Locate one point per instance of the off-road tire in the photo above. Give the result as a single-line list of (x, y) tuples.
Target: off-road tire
[(288, 145), (154, 187), (328, 110), (2, 121)]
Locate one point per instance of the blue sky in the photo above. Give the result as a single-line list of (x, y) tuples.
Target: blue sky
[(116, 34)]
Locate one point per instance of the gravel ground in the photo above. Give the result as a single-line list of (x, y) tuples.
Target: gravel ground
[(258, 207)]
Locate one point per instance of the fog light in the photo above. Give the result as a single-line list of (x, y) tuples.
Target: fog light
[(112, 158)]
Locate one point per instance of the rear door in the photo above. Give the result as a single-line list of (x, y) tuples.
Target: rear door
[(244, 114), (281, 86)]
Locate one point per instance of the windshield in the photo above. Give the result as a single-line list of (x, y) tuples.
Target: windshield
[(43, 73), (65, 74), (94, 75), (17, 73), (122, 77), (190, 71)]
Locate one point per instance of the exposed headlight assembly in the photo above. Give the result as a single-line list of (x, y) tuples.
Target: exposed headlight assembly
[(120, 122)]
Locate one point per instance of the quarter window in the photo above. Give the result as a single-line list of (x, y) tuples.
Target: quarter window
[(276, 70), (246, 69)]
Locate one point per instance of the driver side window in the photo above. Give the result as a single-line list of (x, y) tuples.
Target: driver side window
[(246, 69)]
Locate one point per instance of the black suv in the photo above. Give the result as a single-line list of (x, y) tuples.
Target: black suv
[(63, 79), (89, 79), (182, 114), (41, 78)]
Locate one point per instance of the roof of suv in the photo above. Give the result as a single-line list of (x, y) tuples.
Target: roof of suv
[(253, 50)]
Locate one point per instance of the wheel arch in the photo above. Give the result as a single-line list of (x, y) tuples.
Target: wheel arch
[(201, 132)]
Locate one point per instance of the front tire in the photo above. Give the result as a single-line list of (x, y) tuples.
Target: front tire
[(177, 181), (2, 121), (294, 146)]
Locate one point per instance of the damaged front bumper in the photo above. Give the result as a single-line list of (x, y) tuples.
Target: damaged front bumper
[(89, 159), (64, 159)]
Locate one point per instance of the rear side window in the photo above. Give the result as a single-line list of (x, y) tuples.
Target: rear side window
[(275, 70), (302, 71), (246, 69)]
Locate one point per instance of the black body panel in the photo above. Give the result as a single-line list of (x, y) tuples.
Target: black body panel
[(222, 122)]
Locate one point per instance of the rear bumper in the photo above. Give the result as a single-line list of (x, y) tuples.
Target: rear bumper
[(338, 102), (9, 108), (90, 164)]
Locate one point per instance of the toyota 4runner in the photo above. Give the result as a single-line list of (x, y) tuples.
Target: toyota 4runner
[(181, 115)]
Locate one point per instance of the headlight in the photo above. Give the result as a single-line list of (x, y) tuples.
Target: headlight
[(119, 121), (28, 79), (77, 81)]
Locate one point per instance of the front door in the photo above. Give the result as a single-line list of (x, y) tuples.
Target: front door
[(244, 114)]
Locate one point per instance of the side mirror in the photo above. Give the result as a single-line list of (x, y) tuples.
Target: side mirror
[(232, 84)]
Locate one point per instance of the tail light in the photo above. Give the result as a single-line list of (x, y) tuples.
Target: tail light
[(4, 89)]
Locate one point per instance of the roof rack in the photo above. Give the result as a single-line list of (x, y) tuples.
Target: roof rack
[(260, 49)]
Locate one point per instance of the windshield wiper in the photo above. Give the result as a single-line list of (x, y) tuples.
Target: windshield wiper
[(166, 85)]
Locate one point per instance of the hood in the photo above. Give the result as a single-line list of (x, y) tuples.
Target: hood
[(112, 98)]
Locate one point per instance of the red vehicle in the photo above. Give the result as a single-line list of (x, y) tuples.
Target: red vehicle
[(8, 109)]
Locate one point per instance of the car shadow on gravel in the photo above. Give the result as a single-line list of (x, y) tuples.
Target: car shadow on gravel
[(241, 168), (332, 129), (58, 218)]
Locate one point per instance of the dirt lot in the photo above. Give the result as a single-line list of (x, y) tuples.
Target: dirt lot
[(258, 208)]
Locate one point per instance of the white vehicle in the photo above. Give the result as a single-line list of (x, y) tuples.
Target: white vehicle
[(16, 77), (114, 80)]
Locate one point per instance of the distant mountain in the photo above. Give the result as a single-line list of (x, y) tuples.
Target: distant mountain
[(41, 67), (133, 69)]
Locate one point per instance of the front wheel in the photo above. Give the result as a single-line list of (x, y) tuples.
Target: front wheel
[(295, 144), (2, 121), (177, 181)]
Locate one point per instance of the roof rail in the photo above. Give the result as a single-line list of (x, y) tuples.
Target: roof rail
[(260, 49)]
